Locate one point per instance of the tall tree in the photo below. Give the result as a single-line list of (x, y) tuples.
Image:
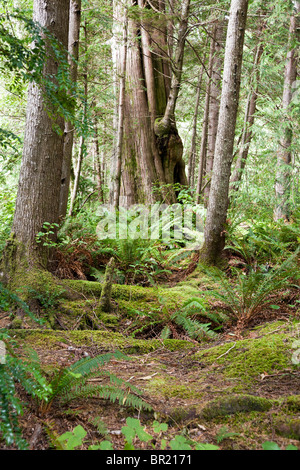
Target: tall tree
[(152, 150), (83, 144), (284, 154), (73, 48), (192, 153), (218, 197), (218, 39), (115, 190), (249, 116), (40, 174)]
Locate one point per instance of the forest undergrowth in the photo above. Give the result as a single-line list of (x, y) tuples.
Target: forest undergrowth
[(169, 313)]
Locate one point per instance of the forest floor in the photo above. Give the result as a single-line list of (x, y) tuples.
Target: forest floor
[(236, 391)]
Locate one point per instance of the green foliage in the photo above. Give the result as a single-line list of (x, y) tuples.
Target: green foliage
[(248, 292), (133, 433), (7, 207), (72, 440), (184, 319), (9, 300), (45, 236), (263, 241), (24, 372), (48, 298), (72, 382), (225, 434), (12, 370), (269, 445)]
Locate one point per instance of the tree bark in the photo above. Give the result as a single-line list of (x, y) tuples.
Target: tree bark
[(214, 103), (152, 150), (120, 130), (284, 156), (203, 148), (40, 174), (248, 123), (218, 198), (192, 155), (73, 48), (97, 164), (82, 145)]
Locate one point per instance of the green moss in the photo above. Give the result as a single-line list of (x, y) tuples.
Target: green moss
[(81, 289), (106, 340), (171, 387), (233, 405), (246, 360), (108, 319), (293, 403)]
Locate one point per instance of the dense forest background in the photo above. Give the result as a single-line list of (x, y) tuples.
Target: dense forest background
[(263, 117), (109, 109)]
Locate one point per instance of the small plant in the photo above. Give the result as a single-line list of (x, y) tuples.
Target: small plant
[(184, 319), (14, 369), (48, 298), (269, 445), (46, 236), (225, 434), (72, 382), (248, 293), (133, 433)]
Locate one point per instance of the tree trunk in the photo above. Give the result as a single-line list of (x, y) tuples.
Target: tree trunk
[(120, 130), (218, 198), (203, 148), (97, 164), (73, 48), (248, 124), (214, 103), (152, 149), (82, 145), (38, 194), (283, 174), (192, 154)]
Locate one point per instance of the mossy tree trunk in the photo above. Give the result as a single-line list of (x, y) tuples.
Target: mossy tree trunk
[(39, 186), (152, 148)]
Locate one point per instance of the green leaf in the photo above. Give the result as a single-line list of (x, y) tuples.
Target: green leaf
[(133, 429), (73, 439), (104, 445), (180, 443), (268, 445), (200, 446), (159, 427)]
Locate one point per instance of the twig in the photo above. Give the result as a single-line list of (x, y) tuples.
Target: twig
[(226, 351)]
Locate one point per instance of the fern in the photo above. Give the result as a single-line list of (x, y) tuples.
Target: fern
[(9, 300), (183, 317), (14, 369), (251, 292), (30, 378), (193, 328), (72, 382)]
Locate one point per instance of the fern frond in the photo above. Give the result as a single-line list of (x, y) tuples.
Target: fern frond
[(194, 328), (80, 371)]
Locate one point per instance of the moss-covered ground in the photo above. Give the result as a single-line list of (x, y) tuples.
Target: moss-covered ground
[(236, 390)]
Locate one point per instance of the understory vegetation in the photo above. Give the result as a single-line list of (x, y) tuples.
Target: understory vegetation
[(149, 225)]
